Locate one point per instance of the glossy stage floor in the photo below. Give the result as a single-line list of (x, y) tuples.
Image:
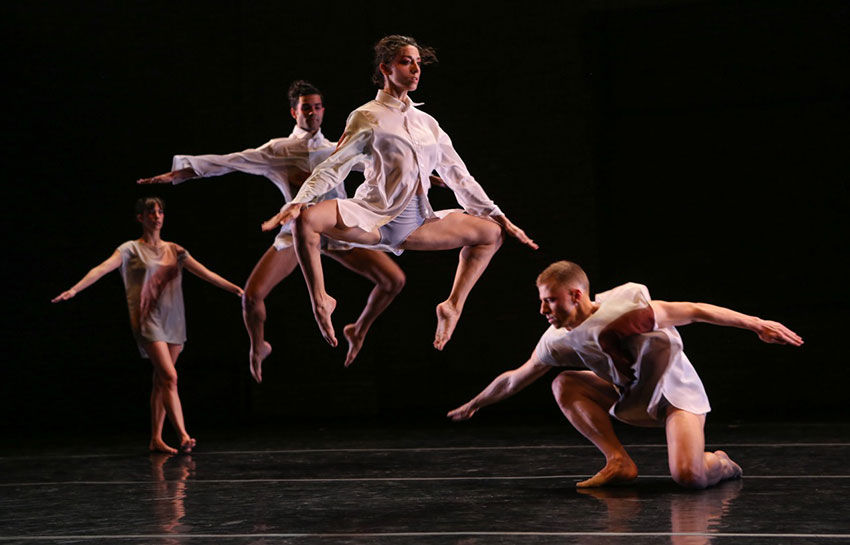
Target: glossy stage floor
[(462, 484)]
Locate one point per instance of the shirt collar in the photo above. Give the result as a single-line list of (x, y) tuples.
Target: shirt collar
[(298, 132), (388, 100)]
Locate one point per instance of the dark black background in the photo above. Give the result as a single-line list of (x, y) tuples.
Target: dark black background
[(697, 147)]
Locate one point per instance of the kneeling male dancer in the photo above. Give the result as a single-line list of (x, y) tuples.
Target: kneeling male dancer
[(637, 372)]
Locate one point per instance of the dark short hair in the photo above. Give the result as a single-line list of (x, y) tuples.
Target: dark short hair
[(147, 203), (388, 47), (563, 273), (301, 88)]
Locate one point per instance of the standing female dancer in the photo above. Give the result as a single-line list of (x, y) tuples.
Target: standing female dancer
[(152, 273), (288, 162), (400, 147)]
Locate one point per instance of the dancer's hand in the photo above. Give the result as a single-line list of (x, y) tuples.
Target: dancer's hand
[(64, 296), (515, 231), (161, 179), (776, 333), (169, 177), (288, 213), (166, 178), (464, 412)]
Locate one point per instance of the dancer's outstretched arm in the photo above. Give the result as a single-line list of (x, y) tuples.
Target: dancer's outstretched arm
[(175, 176), (111, 263), (503, 386), (673, 314), (196, 268), (469, 193), (271, 160)]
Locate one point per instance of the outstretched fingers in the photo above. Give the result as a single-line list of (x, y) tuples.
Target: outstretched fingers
[(464, 412), (64, 296), (514, 231), (776, 333), (154, 180), (273, 222), (286, 214), (520, 235)]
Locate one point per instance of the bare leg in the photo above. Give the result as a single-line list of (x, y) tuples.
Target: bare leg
[(157, 444), (471, 265), (389, 281), (163, 358), (690, 465), (158, 410), (269, 271), (480, 239), (322, 218), (584, 398), (186, 446)]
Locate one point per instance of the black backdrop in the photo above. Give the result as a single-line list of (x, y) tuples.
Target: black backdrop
[(697, 147)]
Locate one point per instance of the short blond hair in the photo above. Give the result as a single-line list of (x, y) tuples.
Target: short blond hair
[(564, 273)]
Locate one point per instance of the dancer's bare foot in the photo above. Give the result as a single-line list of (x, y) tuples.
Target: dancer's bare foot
[(447, 317), (256, 360), (731, 470), (187, 444), (158, 445), (355, 342), (619, 470), (322, 310)]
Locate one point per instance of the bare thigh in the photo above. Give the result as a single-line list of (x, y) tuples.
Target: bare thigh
[(270, 270), (163, 357), (371, 264), (585, 385), (324, 218), (453, 231), (685, 438), (175, 350)]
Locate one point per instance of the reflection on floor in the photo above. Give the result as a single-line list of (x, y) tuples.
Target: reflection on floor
[(465, 485)]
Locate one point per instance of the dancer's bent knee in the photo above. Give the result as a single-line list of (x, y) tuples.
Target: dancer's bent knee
[(565, 386), (688, 476), (393, 283)]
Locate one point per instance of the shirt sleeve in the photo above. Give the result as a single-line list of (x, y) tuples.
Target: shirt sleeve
[(181, 253), (547, 348), (126, 251), (351, 152), (636, 293), (260, 161), (469, 193)]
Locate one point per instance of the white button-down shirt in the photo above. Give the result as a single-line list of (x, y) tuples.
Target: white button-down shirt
[(285, 161), (400, 147), (281, 160)]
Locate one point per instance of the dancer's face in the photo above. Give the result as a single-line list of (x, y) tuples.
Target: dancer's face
[(560, 304), (404, 72), (308, 113), (153, 218)]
